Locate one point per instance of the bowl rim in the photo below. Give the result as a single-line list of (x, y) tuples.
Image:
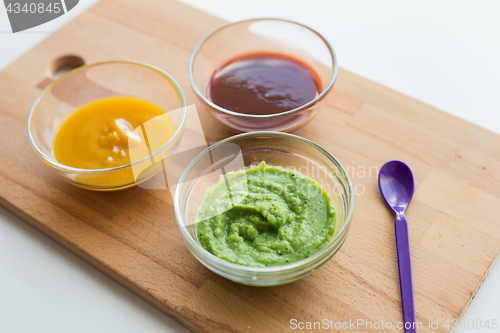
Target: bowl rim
[(58, 165), (274, 269), (221, 109)]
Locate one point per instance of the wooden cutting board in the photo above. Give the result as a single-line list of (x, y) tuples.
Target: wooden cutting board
[(133, 237)]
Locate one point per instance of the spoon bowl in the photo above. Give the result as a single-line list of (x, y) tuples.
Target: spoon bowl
[(396, 185)]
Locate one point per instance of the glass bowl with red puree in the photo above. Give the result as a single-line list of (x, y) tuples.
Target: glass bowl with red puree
[(263, 74)]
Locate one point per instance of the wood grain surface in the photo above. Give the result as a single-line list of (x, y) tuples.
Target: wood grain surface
[(133, 237)]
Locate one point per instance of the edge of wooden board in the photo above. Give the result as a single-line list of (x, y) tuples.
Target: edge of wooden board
[(99, 266)]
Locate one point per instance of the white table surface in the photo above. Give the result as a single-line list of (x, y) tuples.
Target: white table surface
[(444, 53)]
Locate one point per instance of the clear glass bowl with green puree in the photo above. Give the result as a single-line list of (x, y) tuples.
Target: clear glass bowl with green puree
[(216, 169)]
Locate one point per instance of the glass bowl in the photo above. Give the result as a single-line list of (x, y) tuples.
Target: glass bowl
[(93, 82), (262, 36), (275, 148)]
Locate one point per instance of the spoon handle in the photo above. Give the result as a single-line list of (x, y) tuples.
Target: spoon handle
[(405, 280)]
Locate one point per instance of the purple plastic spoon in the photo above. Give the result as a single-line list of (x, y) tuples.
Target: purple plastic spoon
[(395, 181)]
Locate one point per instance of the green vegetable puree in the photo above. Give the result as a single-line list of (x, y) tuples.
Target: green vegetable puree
[(281, 216)]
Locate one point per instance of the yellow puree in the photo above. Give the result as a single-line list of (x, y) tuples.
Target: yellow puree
[(97, 135)]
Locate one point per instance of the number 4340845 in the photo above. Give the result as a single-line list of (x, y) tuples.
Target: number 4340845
[(34, 8), (473, 324)]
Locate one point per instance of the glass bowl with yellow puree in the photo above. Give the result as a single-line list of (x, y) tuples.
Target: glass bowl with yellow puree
[(107, 126), (264, 208)]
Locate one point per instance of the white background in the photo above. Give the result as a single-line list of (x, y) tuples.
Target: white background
[(445, 53)]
